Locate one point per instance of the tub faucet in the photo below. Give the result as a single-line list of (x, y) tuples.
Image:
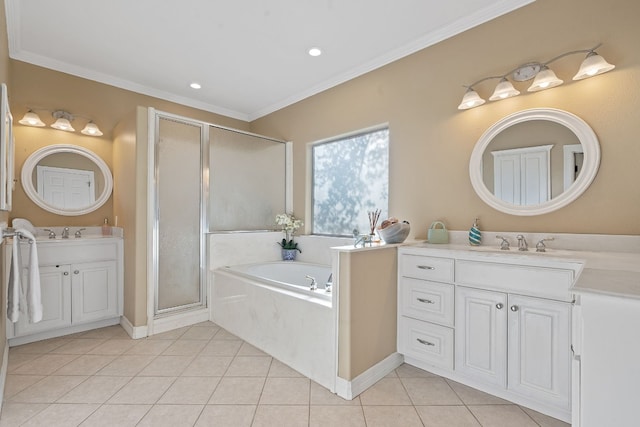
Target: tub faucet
[(522, 243), (313, 285), (65, 233)]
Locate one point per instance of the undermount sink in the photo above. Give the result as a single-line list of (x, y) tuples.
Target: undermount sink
[(515, 251)]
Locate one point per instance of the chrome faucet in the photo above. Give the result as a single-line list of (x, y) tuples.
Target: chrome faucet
[(78, 232), (522, 243), (313, 285), (329, 283), (540, 247), (504, 244), (65, 233), (52, 234)]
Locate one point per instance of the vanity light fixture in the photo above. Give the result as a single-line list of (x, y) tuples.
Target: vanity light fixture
[(543, 77), (63, 122)]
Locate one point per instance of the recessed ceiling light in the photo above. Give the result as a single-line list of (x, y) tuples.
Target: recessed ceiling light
[(315, 51), (195, 85)]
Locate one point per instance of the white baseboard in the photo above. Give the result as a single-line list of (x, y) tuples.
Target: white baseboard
[(3, 371), (178, 320), (350, 389), (135, 332)]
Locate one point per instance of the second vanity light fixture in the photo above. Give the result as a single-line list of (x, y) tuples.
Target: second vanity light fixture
[(63, 122), (543, 77)]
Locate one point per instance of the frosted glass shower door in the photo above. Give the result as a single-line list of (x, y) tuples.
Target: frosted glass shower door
[(178, 242)]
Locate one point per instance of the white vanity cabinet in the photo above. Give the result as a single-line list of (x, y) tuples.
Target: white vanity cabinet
[(81, 283), (497, 322)]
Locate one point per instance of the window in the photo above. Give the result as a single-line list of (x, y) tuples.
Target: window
[(350, 178)]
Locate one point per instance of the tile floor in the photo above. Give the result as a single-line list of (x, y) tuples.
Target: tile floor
[(204, 376)]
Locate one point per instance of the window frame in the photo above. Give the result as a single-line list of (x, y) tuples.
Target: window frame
[(311, 157)]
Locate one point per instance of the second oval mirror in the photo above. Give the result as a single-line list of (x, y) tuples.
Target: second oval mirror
[(66, 179)]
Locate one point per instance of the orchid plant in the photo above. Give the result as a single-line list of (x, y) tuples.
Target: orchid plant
[(289, 224)]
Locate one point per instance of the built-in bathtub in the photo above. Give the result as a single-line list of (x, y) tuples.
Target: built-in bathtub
[(270, 306)]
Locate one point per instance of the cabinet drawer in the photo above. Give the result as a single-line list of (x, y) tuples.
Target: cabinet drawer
[(427, 268), (424, 300), (519, 279), (427, 342)]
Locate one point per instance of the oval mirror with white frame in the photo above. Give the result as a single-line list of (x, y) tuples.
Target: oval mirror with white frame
[(534, 161), (67, 179)]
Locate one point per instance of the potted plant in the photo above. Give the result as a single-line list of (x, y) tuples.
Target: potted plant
[(289, 224)]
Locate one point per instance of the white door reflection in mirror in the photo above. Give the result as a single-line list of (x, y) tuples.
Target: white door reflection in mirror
[(521, 175), (66, 188)]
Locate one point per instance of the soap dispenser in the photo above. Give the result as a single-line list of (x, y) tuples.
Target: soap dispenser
[(106, 228), (475, 235)]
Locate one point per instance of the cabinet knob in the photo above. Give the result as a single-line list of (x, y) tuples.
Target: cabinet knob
[(76, 271), (66, 273), (499, 306), (514, 308)]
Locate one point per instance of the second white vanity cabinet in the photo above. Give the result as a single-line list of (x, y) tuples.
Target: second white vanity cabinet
[(81, 282), (497, 322)]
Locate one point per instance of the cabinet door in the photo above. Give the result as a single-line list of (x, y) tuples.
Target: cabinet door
[(540, 349), (94, 291), (55, 287), (481, 335)]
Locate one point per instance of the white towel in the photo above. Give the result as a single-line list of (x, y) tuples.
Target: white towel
[(33, 293), (27, 301), (13, 294)]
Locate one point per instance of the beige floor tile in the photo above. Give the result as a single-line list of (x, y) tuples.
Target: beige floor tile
[(39, 347), (336, 416), (166, 366), (238, 391), (208, 366), (45, 364), (14, 383), (387, 391), (95, 390), (446, 416), (281, 416), (204, 332), (322, 396), (114, 331), (148, 347), (226, 416), (391, 416), (170, 335), (285, 391), (223, 334), (87, 364), (501, 416), (471, 396), (114, 347), (221, 348), (116, 415), (171, 416), (48, 390), (142, 390), (544, 420), (410, 371), (190, 390), (249, 366), (18, 359), (430, 391), (126, 366), (58, 415), (279, 369), (78, 346), (183, 347), (14, 414), (247, 349)]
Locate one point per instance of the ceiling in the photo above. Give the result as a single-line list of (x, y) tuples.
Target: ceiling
[(249, 56)]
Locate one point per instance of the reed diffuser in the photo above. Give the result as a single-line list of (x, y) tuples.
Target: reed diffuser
[(373, 221)]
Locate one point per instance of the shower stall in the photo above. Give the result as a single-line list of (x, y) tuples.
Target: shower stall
[(202, 179)]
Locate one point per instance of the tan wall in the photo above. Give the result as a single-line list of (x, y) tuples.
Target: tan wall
[(40, 88), (431, 141), (368, 310), (4, 216)]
